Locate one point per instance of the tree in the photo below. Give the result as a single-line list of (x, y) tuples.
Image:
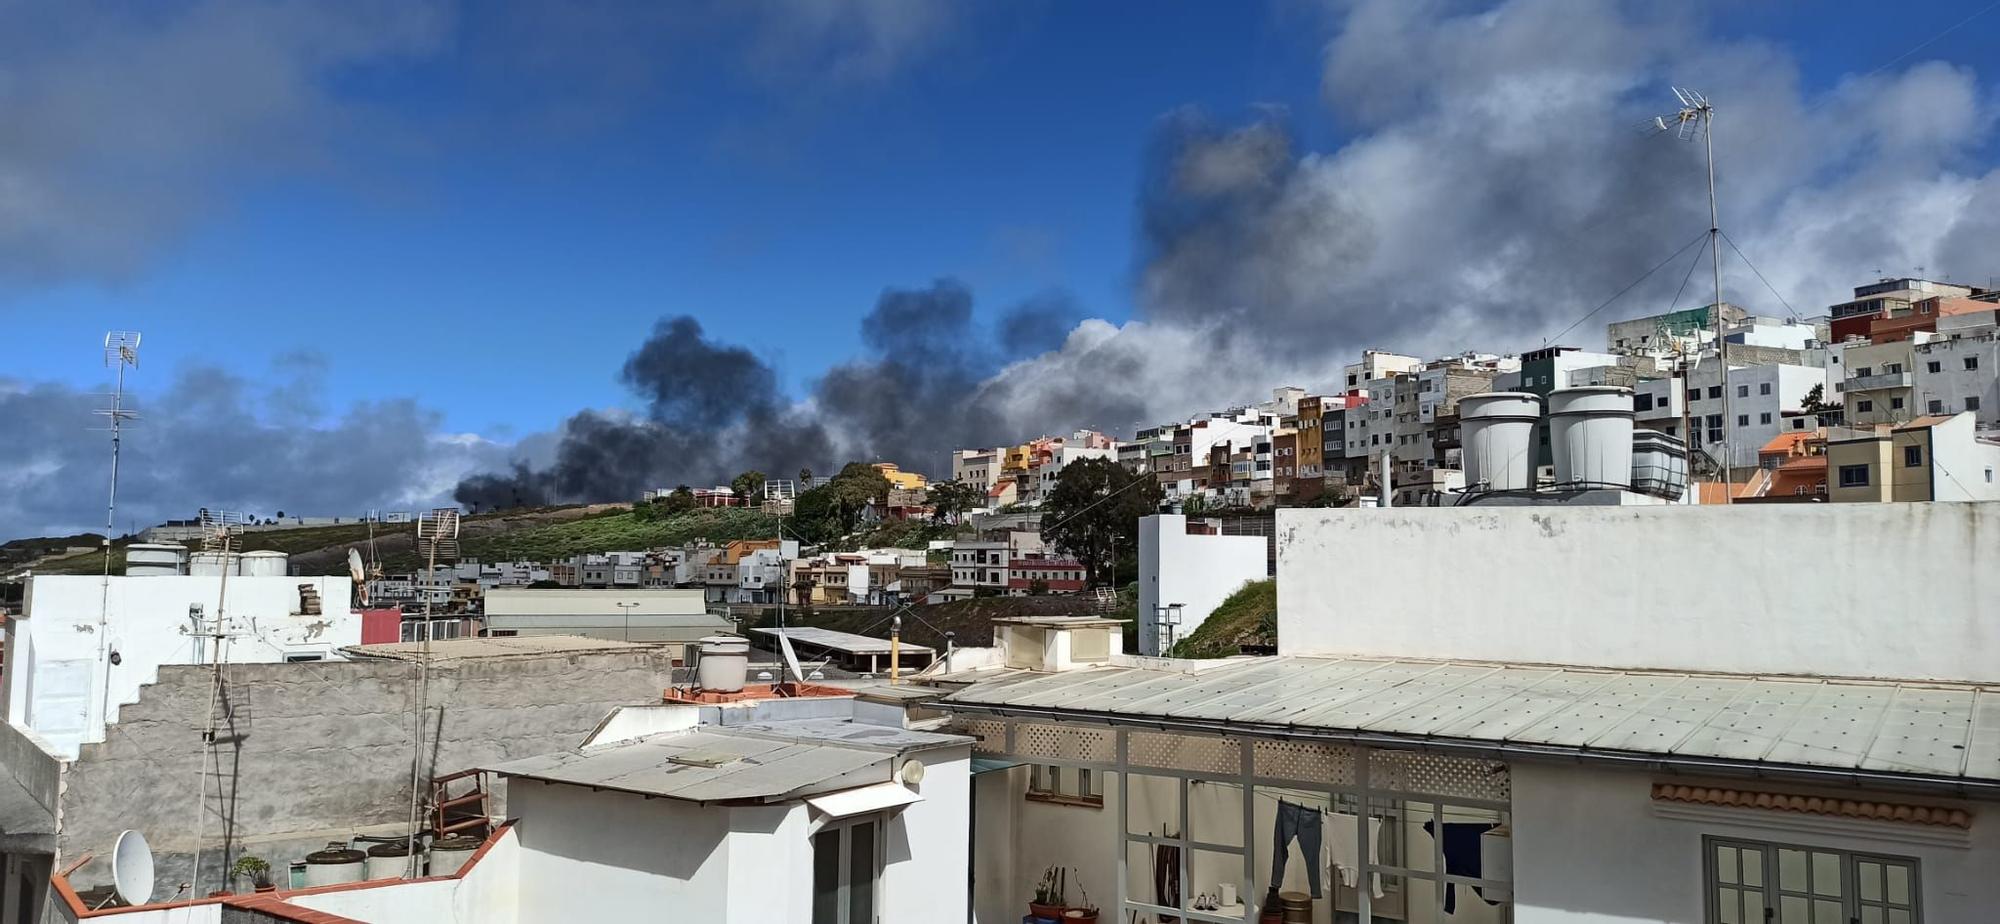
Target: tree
[(680, 501), (1815, 401), (805, 479), (950, 499), (1096, 504), (748, 485)]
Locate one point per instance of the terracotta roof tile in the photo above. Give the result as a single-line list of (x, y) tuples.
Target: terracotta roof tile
[(1870, 810)]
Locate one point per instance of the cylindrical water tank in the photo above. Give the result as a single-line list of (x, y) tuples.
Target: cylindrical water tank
[(1659, 464), (1590, 433), (1499, 433), (211, 564), (389, 861), (264, 563), (153, 559), (725, 661), (336, 864), (449, 854)]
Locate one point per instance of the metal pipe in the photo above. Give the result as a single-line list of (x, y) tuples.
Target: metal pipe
[(1715, 262)]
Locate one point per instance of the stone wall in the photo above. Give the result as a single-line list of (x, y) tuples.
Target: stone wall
[(313, 752)]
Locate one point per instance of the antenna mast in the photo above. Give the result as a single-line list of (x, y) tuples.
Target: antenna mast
[(437, 537), (121, 351), (1696, 116), (218, 537)]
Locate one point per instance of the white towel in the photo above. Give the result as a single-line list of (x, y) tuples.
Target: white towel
[(1340, 849)]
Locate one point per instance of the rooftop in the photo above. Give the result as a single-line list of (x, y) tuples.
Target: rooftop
[(1914, 732), (769, 763), (845, 642), (1059, 622), (467, 649)]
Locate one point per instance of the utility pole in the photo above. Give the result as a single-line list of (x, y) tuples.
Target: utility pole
[(121, 350), (1696, 115)]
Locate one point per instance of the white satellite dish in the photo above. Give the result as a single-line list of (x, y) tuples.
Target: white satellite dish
[(791, 657), (354, 566), (132, 868)]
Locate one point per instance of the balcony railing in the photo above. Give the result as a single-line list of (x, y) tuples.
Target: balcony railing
[(1879, 381)]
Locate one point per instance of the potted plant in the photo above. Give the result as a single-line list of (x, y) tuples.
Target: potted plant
[(251, 870), (1085, 913), (1051, 893)]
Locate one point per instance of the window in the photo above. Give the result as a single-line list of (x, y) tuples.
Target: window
[(296, 658), (1972, 362), (1895, 404), (1742, 391), (1694, 394), (847, 861), (1642, 402), (1863, 372), (1065, 786), (1715, 391), (1764, 418), (1743, 420), (1936, 406), (1913, 456), (1715, 420), (1854, 476), (1864, 405), (1763, 388), (1752, 882), (1972, 402), (1892, 369), (1933, 366)]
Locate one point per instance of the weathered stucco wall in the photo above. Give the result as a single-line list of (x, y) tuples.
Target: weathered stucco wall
[(319, 751), (1864, 590)]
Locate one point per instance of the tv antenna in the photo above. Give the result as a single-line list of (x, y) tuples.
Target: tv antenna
[(1696, 117), (437, 537), (219, 529), (121, 352)]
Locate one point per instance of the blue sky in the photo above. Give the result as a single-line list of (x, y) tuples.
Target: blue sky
[(482, 209), (1006, 155)]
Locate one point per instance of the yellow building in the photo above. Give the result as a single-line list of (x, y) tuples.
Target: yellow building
[(1927, 459), (899, 479)]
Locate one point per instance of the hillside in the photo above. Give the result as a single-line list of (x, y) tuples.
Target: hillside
[(1248, 617)]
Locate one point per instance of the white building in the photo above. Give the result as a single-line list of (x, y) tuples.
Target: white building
[(1184, 576), (1760, 397), (639, 615), (1959, 368), (82, 647)]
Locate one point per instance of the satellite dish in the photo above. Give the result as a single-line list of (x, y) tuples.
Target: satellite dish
[(791, 657), (354, 566), (132, 868)]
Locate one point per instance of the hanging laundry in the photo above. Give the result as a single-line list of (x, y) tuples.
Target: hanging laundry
[(1343, 849), (1300, 822), (1167, 877), (1461, 856)]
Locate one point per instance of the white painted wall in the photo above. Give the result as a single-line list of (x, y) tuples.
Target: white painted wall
[(1962, 468), (411, 902), (1590, 847), (1198, 572), (1865, 590), (927, 855), (56, 683)]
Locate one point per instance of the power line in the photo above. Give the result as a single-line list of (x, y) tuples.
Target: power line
[(1621, 292), (1760, 277)]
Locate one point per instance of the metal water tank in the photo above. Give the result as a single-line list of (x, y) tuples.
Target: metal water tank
[(154, 559), (263, 563), (1659, 464), (725, 662), (1590, 434), (390, 861), (336, 864), (1499, 432), (211, 564), (450, 853)]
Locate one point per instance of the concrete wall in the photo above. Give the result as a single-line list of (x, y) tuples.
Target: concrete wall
[(926, 861), (1198, 572), (316, 752), (1864, 590), (609, 856), (1591, 847), (56, 681)]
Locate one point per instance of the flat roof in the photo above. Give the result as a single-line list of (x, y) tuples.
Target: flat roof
[(1060, 622), (766, 762), (1930, 732), (844, 642), (459, 649)]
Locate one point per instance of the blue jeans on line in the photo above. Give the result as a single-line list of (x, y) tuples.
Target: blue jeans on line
[(1301, 822)]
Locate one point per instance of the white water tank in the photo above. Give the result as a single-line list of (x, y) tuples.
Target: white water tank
[(725, 662), (390, 861), (450, 853), (263, 564), (1590, 434), (211, 564), (336, 864), (154, 559), (1499, 432), (1659, 464)]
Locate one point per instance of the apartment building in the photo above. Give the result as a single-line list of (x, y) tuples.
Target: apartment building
[(1959, 368), (1764, 400), (1685, 331), (1925, 459)]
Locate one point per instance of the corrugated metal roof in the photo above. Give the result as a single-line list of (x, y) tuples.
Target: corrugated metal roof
[(1934, 731), (768, 762), (495, 647), (846, 642)]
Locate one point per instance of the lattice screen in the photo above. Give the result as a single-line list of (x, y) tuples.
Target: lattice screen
[(1304, 761), (1062, 742), (1440, 775), (1219, 756), (991, 734)]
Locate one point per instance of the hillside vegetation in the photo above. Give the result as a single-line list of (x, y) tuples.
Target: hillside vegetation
[(1248, 617)]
